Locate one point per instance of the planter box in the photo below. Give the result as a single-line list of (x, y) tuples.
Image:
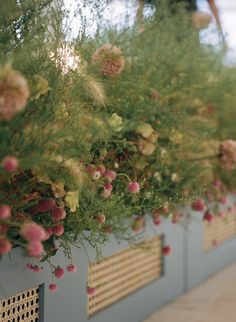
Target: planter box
[(134, 301), (209, 245)]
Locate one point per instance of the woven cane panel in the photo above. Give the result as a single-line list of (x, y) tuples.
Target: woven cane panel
[(123, 273), (219, 230), (20, 307)]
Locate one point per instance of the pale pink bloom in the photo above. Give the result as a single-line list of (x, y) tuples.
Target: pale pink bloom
[(110, 59), (33, 231), (227, 154)]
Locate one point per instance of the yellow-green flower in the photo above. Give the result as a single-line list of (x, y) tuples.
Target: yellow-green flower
[(72, 200), (116, 122)]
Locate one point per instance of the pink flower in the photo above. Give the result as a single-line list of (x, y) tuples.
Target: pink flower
[(198, 205), (59, 272), (101, 169), (91, 290), (71, 268), (224, 200), (10, 163), (208, 216), (58, 213), (110, 59), (14, 93), (35, 248), (46, 204), (37, 269), (53, 287), (110, 175), (58, 230), (227, 156), (5, 246), (106, 193), (134, 187), (5, 212), (166, 250), (101, 218), (33, 231), (157, 221)]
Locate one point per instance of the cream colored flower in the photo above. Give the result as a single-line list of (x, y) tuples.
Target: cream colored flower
[(14, 93), (145, 147), (39, 86), (176, 137), (174, 177), (201, 20), (116, 122), (145, 130), (158, 176), (72, 200)]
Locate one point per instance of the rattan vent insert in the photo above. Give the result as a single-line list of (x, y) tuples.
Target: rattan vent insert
[(123, 273), (219, 230), (20, 307)]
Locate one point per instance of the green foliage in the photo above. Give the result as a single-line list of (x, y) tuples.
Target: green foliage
[(150, 121)]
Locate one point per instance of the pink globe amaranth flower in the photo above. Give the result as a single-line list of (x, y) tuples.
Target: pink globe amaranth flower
[(224, 200), (155, 95), (10, 163), (108, 187), (107, 229), (5, 212), (14, 93), (59, 272), (3, 229), (5, 246), (106, 193), (166, 250), (58, 213), (227, 154), (32, 231), (101, 169), (45, 205), (157, 221), (91, 290), (110, 175), (101, 218), (37, 269), (34, 248), (134, 187), (58, 230), (49, 232), (53, 287), (29, 266), (218, 184), (198, 205), (71, 268), (110, 59), (208, 216), (221, 214)]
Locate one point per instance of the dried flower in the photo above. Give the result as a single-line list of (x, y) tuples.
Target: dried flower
[(201, 20), (145, 147), (227, 154), (116, 122), (145, 130), (14, 93), (110, 59), (72, 200)]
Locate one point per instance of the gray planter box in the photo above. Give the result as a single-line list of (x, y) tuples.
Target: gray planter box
[(200, 262), (70, 302)]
